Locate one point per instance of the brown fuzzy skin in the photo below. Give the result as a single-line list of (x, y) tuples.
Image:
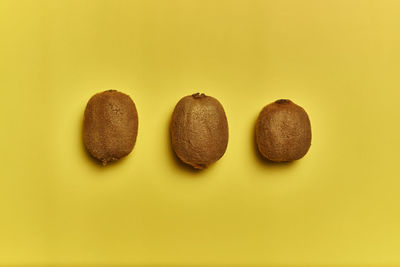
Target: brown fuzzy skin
[(199, 130), (110, 126), (283, 131)]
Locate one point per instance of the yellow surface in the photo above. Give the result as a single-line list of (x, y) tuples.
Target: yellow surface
[(339, 205)]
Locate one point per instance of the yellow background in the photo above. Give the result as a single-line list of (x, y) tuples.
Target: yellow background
[(339, 205)]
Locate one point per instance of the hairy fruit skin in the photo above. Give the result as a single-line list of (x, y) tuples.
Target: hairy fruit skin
[(110, 126), (199, 130), (283, 131)]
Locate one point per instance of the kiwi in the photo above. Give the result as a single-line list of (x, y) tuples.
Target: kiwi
[(283, 131), (199, 130), (110, 126)]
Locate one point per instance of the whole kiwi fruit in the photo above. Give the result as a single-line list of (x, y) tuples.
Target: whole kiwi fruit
[(283, 131), (199, 130), (110, 126)]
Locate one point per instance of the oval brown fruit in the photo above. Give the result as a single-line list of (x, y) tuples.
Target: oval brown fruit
[(283, 131), (110, 126), (199, 130)]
